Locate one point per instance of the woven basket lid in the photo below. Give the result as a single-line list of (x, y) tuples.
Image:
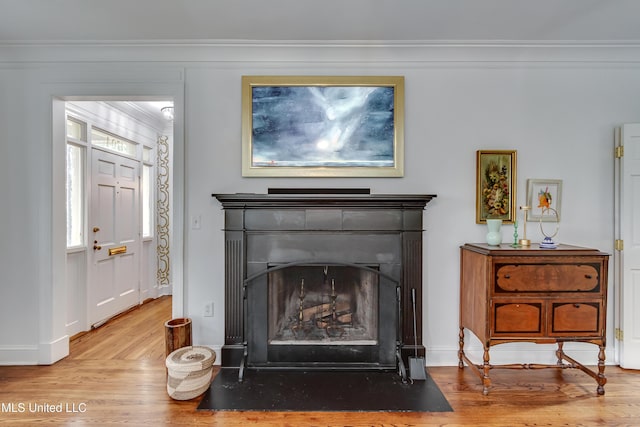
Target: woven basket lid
[(191, 358)]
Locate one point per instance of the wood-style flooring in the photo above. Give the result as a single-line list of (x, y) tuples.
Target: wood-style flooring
[(115, 375)]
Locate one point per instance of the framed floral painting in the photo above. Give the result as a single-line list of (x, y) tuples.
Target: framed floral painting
[(495, 185)]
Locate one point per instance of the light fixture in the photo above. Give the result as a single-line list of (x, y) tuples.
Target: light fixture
[(167, 112)]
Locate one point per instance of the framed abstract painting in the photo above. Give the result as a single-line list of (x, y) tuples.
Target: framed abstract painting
[(322, 126)]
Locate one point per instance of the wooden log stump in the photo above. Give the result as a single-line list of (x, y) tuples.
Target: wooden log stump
[(177, 334)]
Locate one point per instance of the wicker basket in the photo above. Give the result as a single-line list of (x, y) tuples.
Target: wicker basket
[(189, 371)]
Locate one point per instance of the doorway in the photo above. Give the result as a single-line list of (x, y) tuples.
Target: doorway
[(627, 254), (117, 223)]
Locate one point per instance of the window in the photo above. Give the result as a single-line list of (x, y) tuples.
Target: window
[(75, 186), (147, 152), (75, 195), (76, 129), (106, 140)]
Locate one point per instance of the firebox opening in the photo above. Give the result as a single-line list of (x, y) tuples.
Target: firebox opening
[(321, 305)]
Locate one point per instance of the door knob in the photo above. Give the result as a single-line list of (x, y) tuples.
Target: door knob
[(96, 229)]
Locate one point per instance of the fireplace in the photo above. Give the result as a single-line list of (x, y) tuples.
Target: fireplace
[(327, 314), (321, 279), (322, 305)]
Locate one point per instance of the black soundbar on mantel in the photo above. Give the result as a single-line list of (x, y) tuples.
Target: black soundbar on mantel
[(319, 191)]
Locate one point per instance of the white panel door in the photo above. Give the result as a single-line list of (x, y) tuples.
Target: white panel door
[(114, 219), (628, 183)]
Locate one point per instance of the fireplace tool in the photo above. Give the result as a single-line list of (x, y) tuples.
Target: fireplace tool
[(416, 364)]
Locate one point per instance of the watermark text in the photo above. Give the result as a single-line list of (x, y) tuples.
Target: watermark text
[(43, 407)]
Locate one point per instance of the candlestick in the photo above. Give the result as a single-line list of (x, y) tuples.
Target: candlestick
[(524, 241)]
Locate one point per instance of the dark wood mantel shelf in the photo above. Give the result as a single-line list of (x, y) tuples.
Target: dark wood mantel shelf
[(322, 200)]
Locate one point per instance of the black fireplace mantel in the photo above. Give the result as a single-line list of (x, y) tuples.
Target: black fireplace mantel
[(323, 200), (346, 226)]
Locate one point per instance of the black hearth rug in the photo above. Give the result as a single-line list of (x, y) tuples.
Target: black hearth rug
[(324, 391)]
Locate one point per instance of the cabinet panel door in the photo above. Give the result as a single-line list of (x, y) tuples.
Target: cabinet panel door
[(576, 318), (524, 318)]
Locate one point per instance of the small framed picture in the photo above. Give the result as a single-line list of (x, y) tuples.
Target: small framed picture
[(495, 185), (544, 197)]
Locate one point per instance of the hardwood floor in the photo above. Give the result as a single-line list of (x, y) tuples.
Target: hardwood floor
[(115, 375)]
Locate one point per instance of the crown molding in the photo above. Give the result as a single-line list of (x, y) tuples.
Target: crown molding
[(338, 52)]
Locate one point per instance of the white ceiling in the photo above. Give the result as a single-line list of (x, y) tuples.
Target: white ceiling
[(581, 21)]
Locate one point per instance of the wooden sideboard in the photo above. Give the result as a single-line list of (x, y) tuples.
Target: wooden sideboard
[(529, 294)]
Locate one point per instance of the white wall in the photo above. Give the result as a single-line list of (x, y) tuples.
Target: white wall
[(556, 106), (19, 225)]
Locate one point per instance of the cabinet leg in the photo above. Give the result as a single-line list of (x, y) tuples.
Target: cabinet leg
[(461, 347), (559, 353), (602, 380), (486, 381)]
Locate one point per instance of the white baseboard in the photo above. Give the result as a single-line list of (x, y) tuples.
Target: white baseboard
[(53, 351), (218, 351), (18, 355), (164, 291)]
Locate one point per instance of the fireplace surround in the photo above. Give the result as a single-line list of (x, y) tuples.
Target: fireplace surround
[(322, 278)]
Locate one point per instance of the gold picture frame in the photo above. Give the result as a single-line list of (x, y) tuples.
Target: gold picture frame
[(322, 126), (496, 185)]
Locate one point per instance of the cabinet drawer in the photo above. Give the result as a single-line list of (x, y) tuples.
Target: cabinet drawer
[(547, 278), (576, 318), (520, 318)]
